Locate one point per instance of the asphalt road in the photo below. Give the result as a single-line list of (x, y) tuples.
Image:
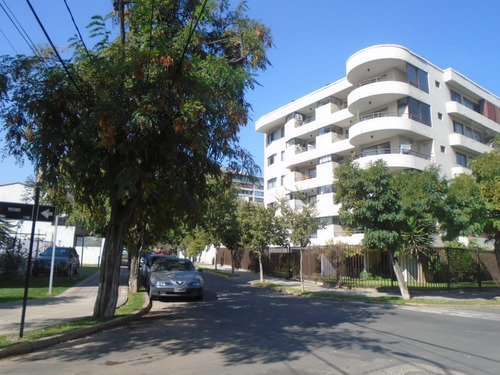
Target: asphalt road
[(240, 329)]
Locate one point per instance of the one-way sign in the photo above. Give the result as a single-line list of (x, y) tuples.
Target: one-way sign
[(21, 211)]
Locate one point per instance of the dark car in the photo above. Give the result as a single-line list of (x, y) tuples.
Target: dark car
[(66, 261), (174, 277)]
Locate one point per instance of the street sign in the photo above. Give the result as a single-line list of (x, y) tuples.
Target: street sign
[(21, 211)]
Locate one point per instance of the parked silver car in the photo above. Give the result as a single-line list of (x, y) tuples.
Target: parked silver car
[(175, 277)]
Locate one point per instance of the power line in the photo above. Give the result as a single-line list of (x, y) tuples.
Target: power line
[(20, 29), (8, 41), (76, 27), (53, 46)]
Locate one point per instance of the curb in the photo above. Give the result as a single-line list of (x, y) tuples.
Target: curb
[(31, 346)]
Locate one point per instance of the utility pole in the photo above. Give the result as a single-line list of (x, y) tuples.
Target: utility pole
[(119, 6)]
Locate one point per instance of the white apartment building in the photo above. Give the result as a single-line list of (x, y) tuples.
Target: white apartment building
[(392, 105)]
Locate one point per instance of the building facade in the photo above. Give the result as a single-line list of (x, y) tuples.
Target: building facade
[(392, 105), (249, 188)]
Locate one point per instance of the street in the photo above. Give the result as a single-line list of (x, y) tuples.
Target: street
[(242, 329)]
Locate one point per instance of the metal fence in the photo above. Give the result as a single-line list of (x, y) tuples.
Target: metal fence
[(355, 266)]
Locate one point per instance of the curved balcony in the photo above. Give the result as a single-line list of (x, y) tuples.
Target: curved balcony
[(378, 126), (396, 159), (377, 92), (461, 142), (375, 60)]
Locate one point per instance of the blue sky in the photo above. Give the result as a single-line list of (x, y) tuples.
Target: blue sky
[(313, 40)]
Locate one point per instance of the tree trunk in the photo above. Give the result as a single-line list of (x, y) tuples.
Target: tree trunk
[(109, 278), (496, 247), (405, 293), (232, 262), (133, 282), (261, 268), (301, 269)]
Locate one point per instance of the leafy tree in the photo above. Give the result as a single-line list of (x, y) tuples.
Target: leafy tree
[(301, 222), (259, 229), (5, 234), (421, 195), (486, 170), (147, 116), (195, 241), (370, 202), (220, 217), (464, 208)]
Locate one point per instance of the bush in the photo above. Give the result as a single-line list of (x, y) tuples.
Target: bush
[(12, 259)]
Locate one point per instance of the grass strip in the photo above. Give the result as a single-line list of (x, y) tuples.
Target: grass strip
[(217, 272), (134, 303), (382, 299), (12, 289)]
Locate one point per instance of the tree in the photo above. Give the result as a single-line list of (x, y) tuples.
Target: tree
[(144, 117), (464, 208), (258, 227), (486, 170), (370, 202), (5, 234), (220, 217), (421, 195), (301, 222)]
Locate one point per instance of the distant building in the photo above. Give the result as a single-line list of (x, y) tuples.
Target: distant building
[(249, 188), (392, 105)]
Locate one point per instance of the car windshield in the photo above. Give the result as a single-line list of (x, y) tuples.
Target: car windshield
[(172, 265), (60, 252)]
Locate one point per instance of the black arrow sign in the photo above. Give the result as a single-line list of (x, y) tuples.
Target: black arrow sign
[(21, 211)]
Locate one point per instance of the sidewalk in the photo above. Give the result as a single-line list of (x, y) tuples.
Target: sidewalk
[(75, 303), (469, 295)]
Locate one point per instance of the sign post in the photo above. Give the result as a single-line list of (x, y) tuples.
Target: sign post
[(33, 212), (28, 267)]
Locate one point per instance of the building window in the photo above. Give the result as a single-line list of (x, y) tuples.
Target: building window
[(271, 184), (440, 116), (468, 131), (330, 129), (271, 159), (463, 159), (415, 110), (438, 84), (383, 148), (417, 77), (282, 155), (277, 134), (282, 180), (456, 97), (325, 159), (326, 189), (443, 149)]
